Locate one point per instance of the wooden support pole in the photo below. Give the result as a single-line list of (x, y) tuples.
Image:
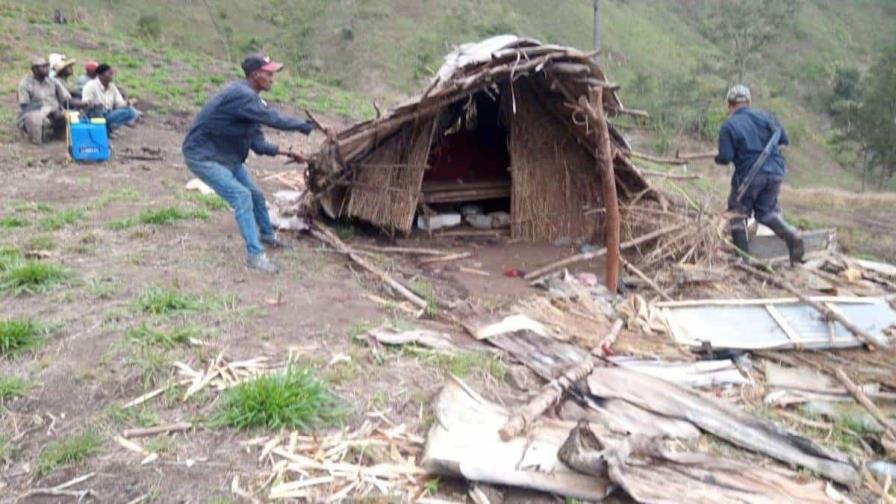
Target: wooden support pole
[(608, 185), (549, 395), (829, 314), (587, 256)]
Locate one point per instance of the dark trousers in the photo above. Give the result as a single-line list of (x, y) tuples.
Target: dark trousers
[(761, 197)]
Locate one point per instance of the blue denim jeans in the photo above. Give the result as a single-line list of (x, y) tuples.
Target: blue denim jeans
[(119, 117), (235, 185)]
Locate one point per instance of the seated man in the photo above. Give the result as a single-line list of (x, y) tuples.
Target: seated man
[(41, 102), (63, 71), (103, 99), (89, 75)]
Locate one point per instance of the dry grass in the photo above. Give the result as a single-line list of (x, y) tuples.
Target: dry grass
[(554, 178), (826, 197)]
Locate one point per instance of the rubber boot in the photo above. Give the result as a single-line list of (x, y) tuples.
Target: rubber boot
[(790, 236), (739, 236)]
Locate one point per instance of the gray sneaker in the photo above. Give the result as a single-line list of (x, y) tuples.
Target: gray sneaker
[(275, 242), (262, 263)]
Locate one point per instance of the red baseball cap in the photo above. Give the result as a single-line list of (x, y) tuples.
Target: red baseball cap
[(91, 65), (258, 61)]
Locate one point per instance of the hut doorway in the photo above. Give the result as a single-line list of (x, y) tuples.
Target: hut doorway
[(469, 164)]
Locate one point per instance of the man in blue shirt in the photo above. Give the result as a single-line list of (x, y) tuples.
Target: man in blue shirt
[(742, 139), (218, 143)]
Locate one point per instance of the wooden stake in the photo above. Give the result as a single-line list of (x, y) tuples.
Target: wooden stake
[(609, 339), (863, 399), (653, 285), (158, 429), (549, 395), (829, 314), (586, 256), (444, 258), (324, 234)]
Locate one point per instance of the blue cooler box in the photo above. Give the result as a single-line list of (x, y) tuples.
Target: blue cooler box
[(88, 140)]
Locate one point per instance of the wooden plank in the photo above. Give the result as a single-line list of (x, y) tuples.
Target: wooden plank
[(783, 324)]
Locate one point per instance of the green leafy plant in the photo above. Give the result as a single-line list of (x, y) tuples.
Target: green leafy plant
[(19, 336), (33, 277), (60, 219), (145, 335), (12, 387), (293, 398), (161, 301), (13, 222), (69, 450)]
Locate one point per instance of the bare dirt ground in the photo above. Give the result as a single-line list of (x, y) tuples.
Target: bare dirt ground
[(87, 369)]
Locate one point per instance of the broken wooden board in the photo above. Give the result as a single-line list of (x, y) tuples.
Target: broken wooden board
[(814, 384), (769, 247), (650, 473), (885, 269), (722, 420), (464, 442), (698, 374), (620, 418), (547, 357), (786, 323)]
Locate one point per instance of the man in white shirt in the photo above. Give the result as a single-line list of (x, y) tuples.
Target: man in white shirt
[(103, 99)]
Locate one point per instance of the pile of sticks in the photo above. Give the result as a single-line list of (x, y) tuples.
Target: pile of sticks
[(368, 463)]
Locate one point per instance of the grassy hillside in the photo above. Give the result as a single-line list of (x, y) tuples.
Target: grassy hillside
[(386, 49)]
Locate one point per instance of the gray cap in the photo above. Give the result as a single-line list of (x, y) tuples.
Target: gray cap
[(738, 94), (39, 61)]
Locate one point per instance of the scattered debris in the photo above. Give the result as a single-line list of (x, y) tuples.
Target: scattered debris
[(464, 442), (649, 472), (549, 395), (776, 323), (424, 337), (700, 374), (197, 185), (158, 429), (369, 462), (61, 489), (722, 420)]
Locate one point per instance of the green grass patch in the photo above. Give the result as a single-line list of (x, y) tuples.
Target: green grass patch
[(461, 364), (71, 450), (12, 387), (152, 363), (60, 219), (161, 301), (19, 336), (12, 222), (41, 242), (33, 207), (109, 197), (293, 398), (160, 217), (143, 334), (9, 257), (33, 277), (210, 202)]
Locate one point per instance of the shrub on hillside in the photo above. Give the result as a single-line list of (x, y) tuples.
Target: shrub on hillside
[(149, 26)]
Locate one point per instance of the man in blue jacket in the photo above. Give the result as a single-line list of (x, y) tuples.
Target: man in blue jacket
[(742, 139), (218, 143)]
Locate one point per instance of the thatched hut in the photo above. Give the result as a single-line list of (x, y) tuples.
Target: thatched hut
[(508, 122)]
